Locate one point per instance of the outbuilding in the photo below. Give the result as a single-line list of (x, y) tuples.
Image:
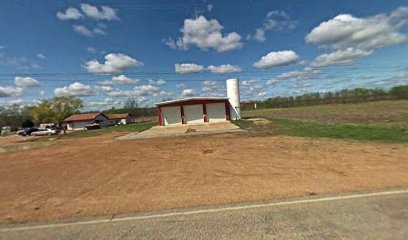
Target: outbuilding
[(201, 110), (121, 118), (195, 110), (79, 121)]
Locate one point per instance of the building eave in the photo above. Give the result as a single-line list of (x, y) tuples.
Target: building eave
[(190, 99)]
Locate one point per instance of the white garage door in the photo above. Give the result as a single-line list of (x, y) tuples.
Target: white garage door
[(216, 112), (171, 115), (194, 113)]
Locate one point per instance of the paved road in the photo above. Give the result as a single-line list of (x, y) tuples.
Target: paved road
[(364, 216)]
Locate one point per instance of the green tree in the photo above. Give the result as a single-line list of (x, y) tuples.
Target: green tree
[(55, 110), (399, 92), (13, 116), (27, 123)]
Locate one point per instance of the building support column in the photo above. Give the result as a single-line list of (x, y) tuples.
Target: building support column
[(227, 111), (205, 112), (159, 116), (183, 118)]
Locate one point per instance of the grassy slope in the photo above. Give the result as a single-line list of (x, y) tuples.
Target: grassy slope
[(386, 113), (385, 121), (136, 127)]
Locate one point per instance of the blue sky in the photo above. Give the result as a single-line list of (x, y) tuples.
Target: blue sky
[(108, 51)]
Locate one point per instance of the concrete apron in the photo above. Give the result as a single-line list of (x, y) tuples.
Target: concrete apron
[(184, 130)]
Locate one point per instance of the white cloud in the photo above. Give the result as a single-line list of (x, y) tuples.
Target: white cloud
[(83, 30), (340, 57), (205, 34), (307, 72), (138, 91), (8, 91), (248, 83), (105, 88), (346, 31), (186, 68), (91, 50), (187, 93), (272, 82), (89, 11), (107, 102), (114, 63), (262, 94), (276, 59), (157, 82), (302, 85), (100, 29), (17, 62), (210, 86), (41, 56), (224, 68), (120, 93), (26, 82), (146, 90), (274, 21), (213, 88), (104, 13), (181, 86), (252, 90), (69, 14), (165, 94), (210, 7), (122, 79), (20, 102), (74, 89)]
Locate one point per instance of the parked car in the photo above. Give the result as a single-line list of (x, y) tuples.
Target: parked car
[(44, 132), (93, 126), (27, 131), (54, 128), (5, 130)]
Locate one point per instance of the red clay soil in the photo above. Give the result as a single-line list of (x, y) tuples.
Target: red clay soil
[(101, 175)]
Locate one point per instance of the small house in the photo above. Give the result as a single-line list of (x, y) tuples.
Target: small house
[(121, 118), (79, 121)]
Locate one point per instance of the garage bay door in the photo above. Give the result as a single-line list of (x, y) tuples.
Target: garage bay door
[(194, 113), (216, 112), (171, 115)]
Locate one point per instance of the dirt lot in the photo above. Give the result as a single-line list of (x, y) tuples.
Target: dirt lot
[(101, 175)]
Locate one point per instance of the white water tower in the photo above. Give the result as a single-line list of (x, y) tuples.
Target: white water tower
[(233, 95)]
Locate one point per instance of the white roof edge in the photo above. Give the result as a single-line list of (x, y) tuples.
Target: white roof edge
[(191, 98)]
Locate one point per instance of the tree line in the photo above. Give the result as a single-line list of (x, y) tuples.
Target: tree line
[(356, 95), (131, 106), (56, 109)]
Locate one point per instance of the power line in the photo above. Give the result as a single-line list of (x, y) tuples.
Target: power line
[(348, 67)]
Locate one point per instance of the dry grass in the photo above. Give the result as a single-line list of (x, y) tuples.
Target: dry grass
[(387, 113)]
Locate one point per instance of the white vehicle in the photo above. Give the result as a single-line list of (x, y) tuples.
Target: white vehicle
[(44, 132)]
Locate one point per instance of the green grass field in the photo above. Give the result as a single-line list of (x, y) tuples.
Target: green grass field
[(135, 127), (385, 113), (385, 121)]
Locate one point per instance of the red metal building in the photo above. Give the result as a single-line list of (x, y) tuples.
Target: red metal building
[(193, 110)]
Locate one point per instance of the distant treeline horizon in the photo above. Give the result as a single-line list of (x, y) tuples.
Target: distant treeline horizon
[(15, 115), (356, 95)]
